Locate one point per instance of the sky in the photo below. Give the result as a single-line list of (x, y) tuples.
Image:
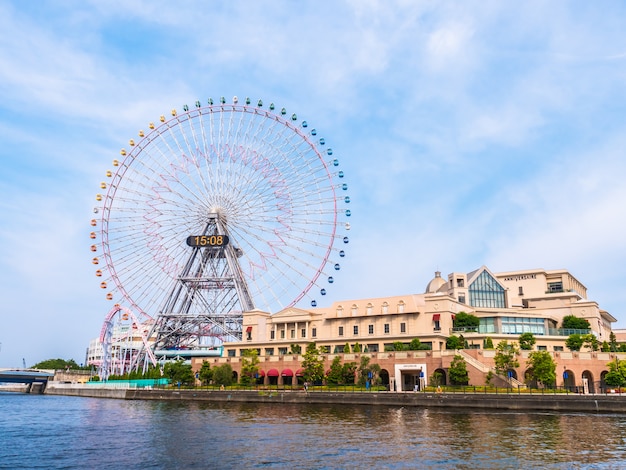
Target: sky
[(472, 133)]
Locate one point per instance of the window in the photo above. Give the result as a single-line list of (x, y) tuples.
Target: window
[(486, 292), (303, 332), (487, 325), (282, 351), (401, 305), (272, 334), (516, 325), (558, 348), (555, 286), (292, 334), (461, 298), (269, 351), (385, 307), (372, 348), (459, 282), (402, 327), (355, 310), (282, 334), (314, 332), (231, 353), (542, 348), (355, 330), (368, 309), (436, 325), (370, 329), (340, 331), (520, 290), (386, 328)]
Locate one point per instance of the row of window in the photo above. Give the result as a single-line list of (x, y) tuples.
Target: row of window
[(292, 333), (370, 329), (369, 308)]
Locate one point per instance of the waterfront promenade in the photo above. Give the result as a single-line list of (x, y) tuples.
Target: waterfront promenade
[(492, 401)]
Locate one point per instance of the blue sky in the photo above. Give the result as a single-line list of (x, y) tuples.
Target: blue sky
[(471, 132)]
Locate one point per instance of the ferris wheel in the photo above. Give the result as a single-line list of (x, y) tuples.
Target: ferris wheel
[(215, 210)]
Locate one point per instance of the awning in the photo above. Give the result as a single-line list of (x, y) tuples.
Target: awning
[(299, 372), (436, 316), (249, 329), (453, 317), (260, 373), (272, 373), (287, 373)]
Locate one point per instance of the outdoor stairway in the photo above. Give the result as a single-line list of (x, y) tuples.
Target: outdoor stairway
[(485, 369)]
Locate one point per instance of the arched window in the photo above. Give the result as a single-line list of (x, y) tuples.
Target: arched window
[(385, 307), (369, 308), (355, 309), (339, 311), (401, 306)]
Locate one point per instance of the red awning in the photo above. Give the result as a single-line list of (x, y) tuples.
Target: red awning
[(453, 317), (436, 316), (299, 372), (249, 329), (287, 373), (272, 373), (261, 373)]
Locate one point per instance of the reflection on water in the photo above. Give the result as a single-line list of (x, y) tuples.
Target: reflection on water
[(65, 432)]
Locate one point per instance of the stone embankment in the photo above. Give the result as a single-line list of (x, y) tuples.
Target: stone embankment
[(519, 402)]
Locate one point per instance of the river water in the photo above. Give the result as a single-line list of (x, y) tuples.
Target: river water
[(53, 432)]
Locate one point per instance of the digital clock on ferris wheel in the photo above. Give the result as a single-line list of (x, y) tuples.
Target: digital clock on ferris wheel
[(207, 241)]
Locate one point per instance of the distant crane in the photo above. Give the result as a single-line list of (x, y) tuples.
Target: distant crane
[(23, 363)]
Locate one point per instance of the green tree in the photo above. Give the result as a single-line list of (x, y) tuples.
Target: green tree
[(575, 341), (205, 374), (56, 364), (365, 369), (542, 368), (313, 364), (295, 349), (455, 342), (613, 342), (356, 347), (527, 341), (399, 346), (488, 343), (179, 372), (572, 322), (348, 373), (416, 345), (489, 377), (334, 376), (606, 347), (506, 357), (591, 342), (466, 320), (616, 376), (249, 366), (346, 348), (436, 379), (458, 371), (223, 375)]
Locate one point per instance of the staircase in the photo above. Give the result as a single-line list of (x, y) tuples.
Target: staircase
[(485, 369)]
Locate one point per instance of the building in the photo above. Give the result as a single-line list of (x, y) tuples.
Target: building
[(507, 304)]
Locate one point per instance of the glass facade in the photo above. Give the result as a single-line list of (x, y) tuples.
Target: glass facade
[(487, 325), (513, 325), (485, 292)]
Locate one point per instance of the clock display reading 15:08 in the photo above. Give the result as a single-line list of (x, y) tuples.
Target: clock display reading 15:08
[(207, 240)]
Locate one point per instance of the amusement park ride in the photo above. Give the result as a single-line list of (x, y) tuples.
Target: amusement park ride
[(216, 210)]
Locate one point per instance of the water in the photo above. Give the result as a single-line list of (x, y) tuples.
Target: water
[(83, 433)]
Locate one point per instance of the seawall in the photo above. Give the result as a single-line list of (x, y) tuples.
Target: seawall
[(521, 402)]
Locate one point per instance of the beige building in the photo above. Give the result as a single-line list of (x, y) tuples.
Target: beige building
[(507, 304)]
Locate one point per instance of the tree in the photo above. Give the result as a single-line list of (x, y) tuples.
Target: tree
[(613, 342), (334, 376), (436, 379), (313, 364), (488, 343), (591, 342), (455, 342), (506, 357), (356, 347), (366, 369), (223, 375), (606, 347), (572, 322), (179, 372), (574, 342), (458, 371), (399, 346), (527, 341), (205, 374), (416, 345), (466, 320), (616, 377), (249, 366), (346, 348), (542, 368), (56, 364), (348, 373), (295, 349)]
